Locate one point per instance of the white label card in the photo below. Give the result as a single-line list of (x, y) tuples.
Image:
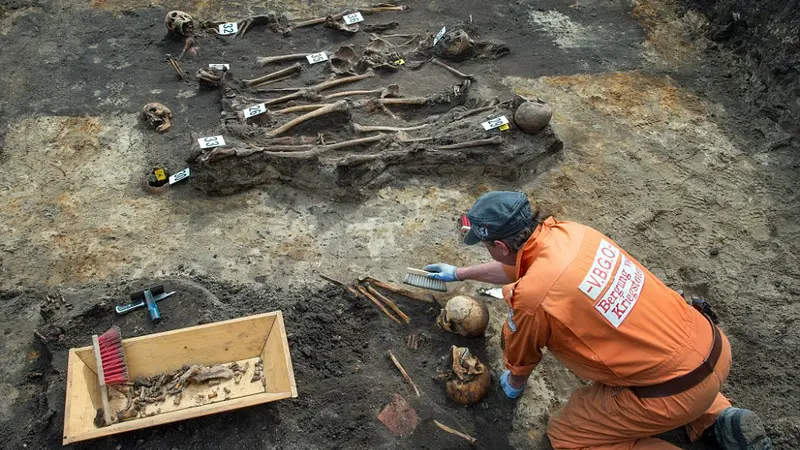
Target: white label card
[(211, 141), (220, 66), (228, 28), (439, 36), (254, 110), (353, 18), (494, 123), (316, 57), (179, 176)]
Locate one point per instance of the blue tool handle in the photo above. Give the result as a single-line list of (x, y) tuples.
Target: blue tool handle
[(152, 306), (132, 306), (128, 307)]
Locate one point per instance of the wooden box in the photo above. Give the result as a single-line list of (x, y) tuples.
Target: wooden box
[(242, 340)]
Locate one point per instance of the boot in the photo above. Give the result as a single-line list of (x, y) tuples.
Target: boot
[(738, 429)]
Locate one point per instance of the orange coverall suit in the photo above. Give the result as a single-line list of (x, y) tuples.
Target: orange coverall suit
[(609, 320)]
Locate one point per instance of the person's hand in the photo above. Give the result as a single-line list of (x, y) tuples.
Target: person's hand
[(444, 272), (511, 391)]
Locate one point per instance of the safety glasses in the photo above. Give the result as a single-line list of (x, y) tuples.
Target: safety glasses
[(462, 228)]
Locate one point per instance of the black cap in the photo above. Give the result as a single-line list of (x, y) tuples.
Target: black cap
[(498, 215)]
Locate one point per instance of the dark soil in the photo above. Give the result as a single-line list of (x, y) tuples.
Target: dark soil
[(765, 34), (339, 350), (49, 59)]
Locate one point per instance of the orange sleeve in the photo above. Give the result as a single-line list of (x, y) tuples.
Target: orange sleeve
[(524, 335), (511, 273)]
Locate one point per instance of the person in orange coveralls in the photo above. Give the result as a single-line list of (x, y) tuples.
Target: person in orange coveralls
[(657, 363)]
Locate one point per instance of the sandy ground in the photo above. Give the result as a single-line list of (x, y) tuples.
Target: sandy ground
[(661, 153)]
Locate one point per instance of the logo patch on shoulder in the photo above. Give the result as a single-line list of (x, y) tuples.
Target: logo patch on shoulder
[(511, 325)]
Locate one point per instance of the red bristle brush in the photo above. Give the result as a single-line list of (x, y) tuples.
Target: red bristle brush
[(109, 357)]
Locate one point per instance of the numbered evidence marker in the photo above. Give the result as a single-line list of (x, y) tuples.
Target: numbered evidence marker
[(179, 176), (316, 57), (220, 66), (228, 28), (254, 110), (353, 18), (439, 36), (211, 141), (499, 122)]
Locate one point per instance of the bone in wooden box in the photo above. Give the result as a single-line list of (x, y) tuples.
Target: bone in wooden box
[(249, 341)]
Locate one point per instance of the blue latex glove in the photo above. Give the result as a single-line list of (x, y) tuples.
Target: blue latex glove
[(444, 272), (511, 391)]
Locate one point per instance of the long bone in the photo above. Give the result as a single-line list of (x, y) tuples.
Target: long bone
[(452, 70), (317, 88), (294, 68), (341, 105), (321, 20), (263, 61), (494, 140), (318, 150), (369, 129)]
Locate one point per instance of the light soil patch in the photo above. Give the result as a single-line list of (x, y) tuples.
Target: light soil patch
[(565, 32), (672, 37), (74, 210)]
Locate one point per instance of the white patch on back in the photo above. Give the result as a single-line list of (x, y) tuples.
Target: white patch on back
[(599, 274), (623, 294)]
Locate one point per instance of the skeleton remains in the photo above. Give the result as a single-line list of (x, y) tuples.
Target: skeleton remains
[(465, 316), (346, 143), (180, 23), (469, 381), (158, 389), (157, 116)]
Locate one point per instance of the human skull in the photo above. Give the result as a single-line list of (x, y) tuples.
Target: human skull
[(179, 22), (158, 116), (465, 316), (532, 116), (342, 61), (455, 46), (470, 381)]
